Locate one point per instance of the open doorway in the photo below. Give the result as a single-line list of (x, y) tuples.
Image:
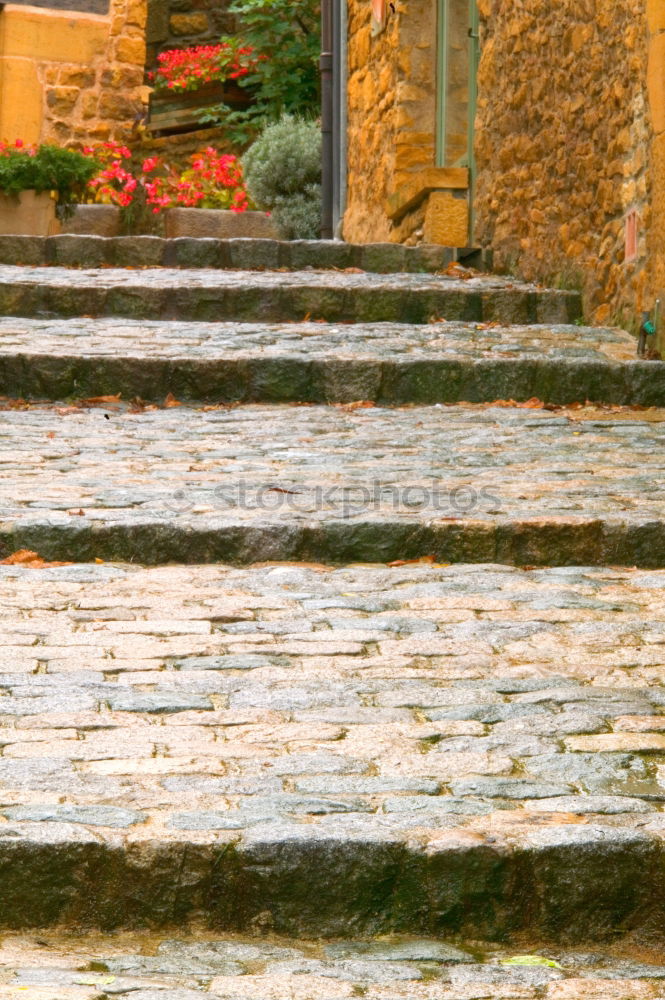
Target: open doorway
[(457, 57)]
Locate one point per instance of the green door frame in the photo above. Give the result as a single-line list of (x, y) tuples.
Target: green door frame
[(469, 160)]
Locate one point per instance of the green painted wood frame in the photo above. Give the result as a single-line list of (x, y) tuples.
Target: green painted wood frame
[(442, 70)]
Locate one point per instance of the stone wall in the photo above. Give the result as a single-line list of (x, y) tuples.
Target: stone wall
[(391, 115), (176, 24), (562, 144), (71, 78)]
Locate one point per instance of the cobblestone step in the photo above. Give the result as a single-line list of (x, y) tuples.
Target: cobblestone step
[(337, 296), (149, 967), (316, 752), (317, 362), (462, 483), (150, 251)]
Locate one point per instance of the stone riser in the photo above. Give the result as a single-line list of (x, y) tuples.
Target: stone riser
[(542, 542), (318, 885), (289, 379), (151, 251), (288, 303)]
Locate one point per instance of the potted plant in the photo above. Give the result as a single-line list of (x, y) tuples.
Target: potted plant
[(38, 187), (207, 199)]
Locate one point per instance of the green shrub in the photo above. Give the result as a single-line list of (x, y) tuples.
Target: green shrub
[(285, 39), (46, 168), (283, 175)]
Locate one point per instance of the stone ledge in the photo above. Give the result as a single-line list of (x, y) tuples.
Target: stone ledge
[(408, 196), (244, 253)]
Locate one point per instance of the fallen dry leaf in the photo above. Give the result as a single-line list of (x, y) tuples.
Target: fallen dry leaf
[(360, 404), (171, 401), (456, 270), (100, 400), (412, 562), (29, 559), (530, 404)]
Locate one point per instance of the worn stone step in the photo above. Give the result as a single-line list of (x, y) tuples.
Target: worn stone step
[(460, 483), (334, 752), (337, 296), (318, 362), (55, 966), (245, 254)]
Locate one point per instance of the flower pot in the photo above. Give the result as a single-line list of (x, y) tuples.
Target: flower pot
[(28, 214), (217, 223), (93, 220)]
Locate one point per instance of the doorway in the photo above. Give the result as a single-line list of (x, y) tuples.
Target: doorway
[(457, 58)]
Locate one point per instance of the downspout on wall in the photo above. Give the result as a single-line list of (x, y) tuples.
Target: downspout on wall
[(327, 102), (339, 114)]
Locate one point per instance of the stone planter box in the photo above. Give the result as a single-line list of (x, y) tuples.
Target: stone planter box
[(93, 220), (28, 214), (214, 223)]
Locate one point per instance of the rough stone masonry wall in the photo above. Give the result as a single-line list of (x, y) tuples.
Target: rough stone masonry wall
[(74, 77), (562, 144), (391, 112), (176, 24)]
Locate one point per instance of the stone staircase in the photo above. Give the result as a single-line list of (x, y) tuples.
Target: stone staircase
[(334, 631)]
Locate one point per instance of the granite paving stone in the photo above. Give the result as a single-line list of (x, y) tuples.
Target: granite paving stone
[(456, 483), (58, 966), (339, 767)]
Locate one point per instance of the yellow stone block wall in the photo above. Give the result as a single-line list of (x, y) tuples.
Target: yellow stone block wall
[(71, 78), (391, 114), (563, 132)]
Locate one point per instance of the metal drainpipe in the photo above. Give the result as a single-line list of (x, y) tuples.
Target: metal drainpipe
[(326, 67), (339, 114)]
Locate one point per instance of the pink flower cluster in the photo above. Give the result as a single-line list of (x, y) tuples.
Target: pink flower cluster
[(114, 184), (6, 148), (188, 69), (214, 180)]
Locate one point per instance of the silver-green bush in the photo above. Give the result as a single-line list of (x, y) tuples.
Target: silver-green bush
[(282, 171)]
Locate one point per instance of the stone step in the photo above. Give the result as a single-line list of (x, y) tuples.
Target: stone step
[(53, 966), (151, 251), (319, 752), (318, 362), (337, 296), (338, 483)]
